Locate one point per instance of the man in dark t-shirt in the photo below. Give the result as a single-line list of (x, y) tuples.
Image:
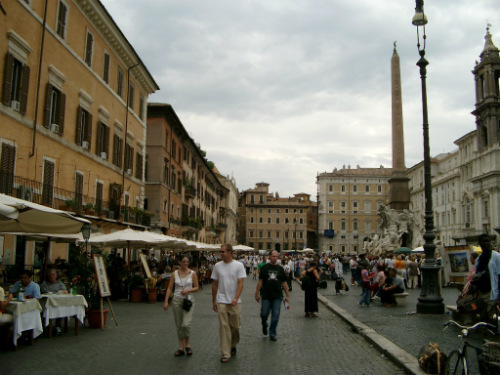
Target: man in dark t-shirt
[(272, 280)]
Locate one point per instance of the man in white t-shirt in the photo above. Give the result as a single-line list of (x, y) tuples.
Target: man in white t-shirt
[(227, 285)]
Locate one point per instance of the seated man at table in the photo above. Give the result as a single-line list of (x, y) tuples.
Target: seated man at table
[(52, 285), (31, 289)]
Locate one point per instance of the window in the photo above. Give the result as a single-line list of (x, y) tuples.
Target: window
[(367, 188), (342, 206), (379, 189), (355, 207), (83, 128), (165, 171), (48, 183), (62, 16), (55, 102), (277, 234), (7, 163), (286, 234), (119, 86), (173, 150), (138, 165), (269, 234), (102, 143), (117, 150), (15, 84), (260, 220), (277, 210), (277, 220), (268, 210), (486, 205), (355, 188), (78, 190), (128, 164), (261, 234), (330, 188), (286, 210), (251, 219), (342, 224), (342, 188), (330, 207), (105, 69), (131, 95), (330, 225), (301, 221), (250, 233), (286, 220), (261, 199), (368, 207), (89, 48), (141, 107), (368, 226), (269, 220), (355, 224), (99, 194)]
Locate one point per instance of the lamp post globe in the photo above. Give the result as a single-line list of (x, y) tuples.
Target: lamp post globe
[(430, 300)]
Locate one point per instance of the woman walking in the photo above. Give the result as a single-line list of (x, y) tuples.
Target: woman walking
[(186, 283), (311, 280)]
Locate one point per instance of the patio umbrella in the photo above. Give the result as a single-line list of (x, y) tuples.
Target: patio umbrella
[(242, 248), (403, 250), (419, 249), (20, 216)]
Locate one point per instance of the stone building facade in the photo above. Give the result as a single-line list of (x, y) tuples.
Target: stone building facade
[(78, 141), (269, 222), (183, 191), (349, 199)]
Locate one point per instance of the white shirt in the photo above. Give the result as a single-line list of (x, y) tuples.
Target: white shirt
[(181, 284), (228, 274)]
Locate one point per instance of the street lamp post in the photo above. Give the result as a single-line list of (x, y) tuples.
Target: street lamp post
[(430, 300)]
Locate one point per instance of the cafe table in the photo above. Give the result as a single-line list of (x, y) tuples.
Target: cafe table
[(26, 316), (63, 306)]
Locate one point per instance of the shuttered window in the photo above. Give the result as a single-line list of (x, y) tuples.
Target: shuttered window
[(83, 135), (117, 150), (131, 96), (138, 165), (99, 194), (102, 142), (48, 183), (89, 47), (105, 72), (7, 168), (15, 84), (55, 103), (78, 190), (129, 158), (62, 14), (119, 86)]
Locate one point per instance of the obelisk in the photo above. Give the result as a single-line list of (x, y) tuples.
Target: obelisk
[(399, 193)]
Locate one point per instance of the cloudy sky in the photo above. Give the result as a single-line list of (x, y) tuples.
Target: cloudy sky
[(278, 90)]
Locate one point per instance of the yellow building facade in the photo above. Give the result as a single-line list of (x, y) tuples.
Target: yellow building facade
[(68, 68)]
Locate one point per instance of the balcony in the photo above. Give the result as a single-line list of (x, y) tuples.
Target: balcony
[(189, 192), (329, 233), (71, 201), (191, 224)]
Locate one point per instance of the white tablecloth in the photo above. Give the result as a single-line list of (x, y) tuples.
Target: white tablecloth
[(62, 306), (26, 316)]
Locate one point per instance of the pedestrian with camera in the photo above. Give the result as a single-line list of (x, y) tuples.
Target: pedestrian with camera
[(184, 283)]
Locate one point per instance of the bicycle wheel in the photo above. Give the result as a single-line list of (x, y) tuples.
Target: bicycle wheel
[(457, 365)]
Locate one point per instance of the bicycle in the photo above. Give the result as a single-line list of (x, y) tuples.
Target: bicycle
[(488, 355)]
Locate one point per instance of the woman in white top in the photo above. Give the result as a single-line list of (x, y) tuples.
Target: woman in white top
[(185, 282)]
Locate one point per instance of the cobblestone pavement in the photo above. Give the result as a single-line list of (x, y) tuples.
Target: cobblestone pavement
[(145, 341), (409, 332)]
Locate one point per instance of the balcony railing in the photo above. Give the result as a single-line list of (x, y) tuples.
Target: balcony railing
[(66, 200)]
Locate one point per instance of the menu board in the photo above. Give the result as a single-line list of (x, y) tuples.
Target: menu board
[(145, 265), (102, 277)]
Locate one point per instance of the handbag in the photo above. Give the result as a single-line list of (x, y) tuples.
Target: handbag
[(186, 304)]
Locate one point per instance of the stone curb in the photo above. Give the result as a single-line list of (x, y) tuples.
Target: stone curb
[(397, 355)]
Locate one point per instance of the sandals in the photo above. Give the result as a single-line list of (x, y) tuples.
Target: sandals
[(179, 353), (189, 351), (224, 360)]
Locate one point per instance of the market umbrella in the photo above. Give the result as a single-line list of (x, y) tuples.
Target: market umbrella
[(242, 248), (403, 250), (20, 216), (419, 249)]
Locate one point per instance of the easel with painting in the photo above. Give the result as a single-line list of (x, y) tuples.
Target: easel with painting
[(102, 281)]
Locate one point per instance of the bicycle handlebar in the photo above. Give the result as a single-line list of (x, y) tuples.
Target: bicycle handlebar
[(477, 325)]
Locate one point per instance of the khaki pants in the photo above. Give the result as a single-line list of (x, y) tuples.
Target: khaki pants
[(229, 327), (182, 318)]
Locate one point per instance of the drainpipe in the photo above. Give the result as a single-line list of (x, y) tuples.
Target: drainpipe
[(32, 153)]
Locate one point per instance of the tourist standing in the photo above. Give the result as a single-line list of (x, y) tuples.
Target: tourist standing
[(311, 280), (227, 285), (272, 280), (186, 283)]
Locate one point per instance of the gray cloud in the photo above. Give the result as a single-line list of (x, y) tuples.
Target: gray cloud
[(280, 90)]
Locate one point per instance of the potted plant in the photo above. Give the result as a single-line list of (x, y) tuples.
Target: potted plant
[(89, 209), (136, 285), (69, 205), (94, 301), (152, 290)]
